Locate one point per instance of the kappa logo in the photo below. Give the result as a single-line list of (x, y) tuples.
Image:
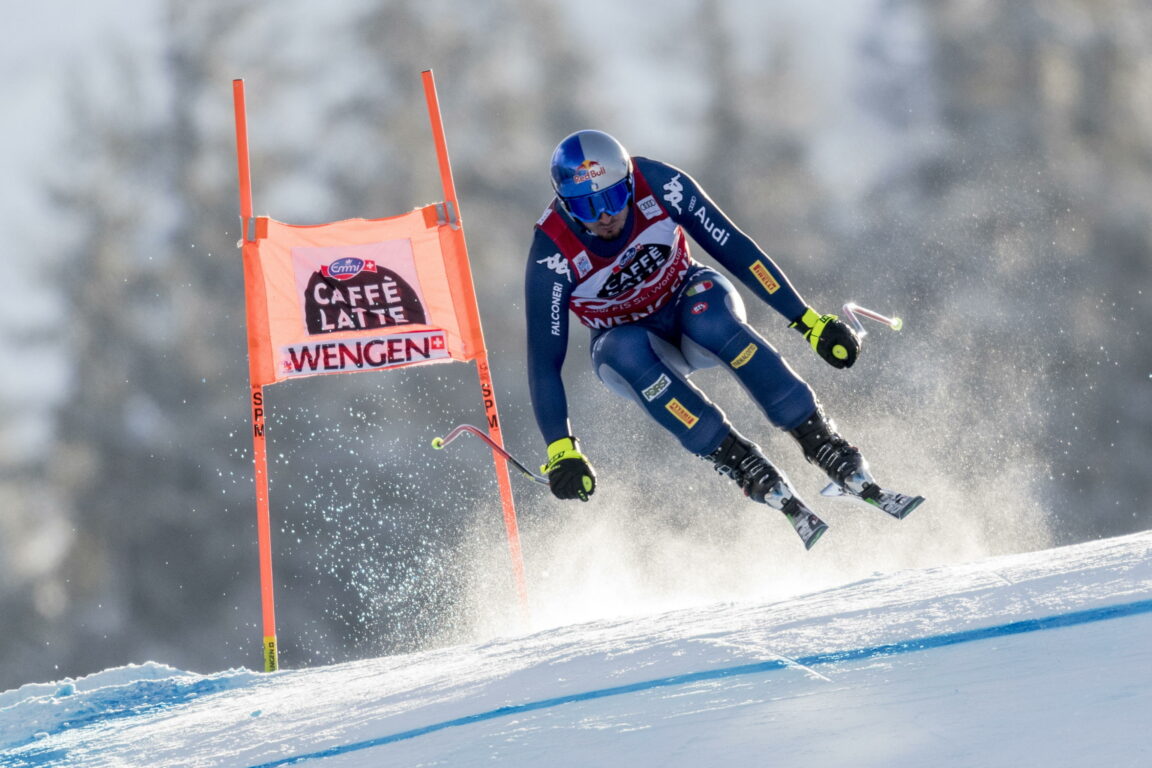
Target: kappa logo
[(656, 388), (675, 192), (700, 308), (558, 264)]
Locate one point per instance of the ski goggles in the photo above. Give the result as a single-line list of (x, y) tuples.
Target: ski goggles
[(589, 208)]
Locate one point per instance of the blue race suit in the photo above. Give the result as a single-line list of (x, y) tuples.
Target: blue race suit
[(656, 314)]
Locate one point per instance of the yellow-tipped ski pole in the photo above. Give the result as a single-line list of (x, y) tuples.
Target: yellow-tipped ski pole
[(851, 310)]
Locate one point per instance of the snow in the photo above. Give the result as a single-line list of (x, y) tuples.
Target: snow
[(1037, 659)]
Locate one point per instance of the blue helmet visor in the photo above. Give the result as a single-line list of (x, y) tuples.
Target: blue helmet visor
[(611, 200)]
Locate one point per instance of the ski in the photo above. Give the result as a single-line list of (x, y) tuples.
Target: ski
[(808, 526), (898, 505)]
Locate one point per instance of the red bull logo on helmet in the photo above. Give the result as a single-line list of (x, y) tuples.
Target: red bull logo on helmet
[(588, 170)]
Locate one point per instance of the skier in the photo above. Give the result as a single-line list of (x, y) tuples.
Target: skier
[(611, 248)]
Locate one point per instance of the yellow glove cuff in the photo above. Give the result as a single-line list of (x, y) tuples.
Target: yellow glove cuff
[(811, 324), (807, 321), (564, 448)]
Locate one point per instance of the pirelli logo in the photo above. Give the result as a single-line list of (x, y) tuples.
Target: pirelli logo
[(686, 417), (765, 276), (744, 356)]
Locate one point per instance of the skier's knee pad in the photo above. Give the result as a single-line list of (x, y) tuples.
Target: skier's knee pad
[(614, 381)]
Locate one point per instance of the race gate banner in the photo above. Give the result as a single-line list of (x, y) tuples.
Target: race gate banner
[(358, 295)]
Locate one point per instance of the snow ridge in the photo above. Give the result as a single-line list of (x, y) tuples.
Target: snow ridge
[(136, 690), (1059, 621), (1019, 660)]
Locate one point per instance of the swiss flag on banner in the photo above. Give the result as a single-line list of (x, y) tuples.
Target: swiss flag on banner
[(358, 295)]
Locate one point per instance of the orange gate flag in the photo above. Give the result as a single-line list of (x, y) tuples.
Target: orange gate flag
[(359, 295)]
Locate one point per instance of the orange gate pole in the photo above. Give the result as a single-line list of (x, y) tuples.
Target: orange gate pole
[(487, 391), (259, 444)]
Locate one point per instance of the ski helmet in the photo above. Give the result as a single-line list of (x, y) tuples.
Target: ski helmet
[(592, 175)]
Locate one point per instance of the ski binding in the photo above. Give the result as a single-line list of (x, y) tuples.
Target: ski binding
[(896, 504)]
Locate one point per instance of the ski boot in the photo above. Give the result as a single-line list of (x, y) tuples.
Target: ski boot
[(847, 469), (742, 461)]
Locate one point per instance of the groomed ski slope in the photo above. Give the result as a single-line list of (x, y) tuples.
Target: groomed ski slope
[(1041, 659)]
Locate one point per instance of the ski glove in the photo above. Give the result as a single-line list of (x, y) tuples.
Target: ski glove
[(832, 339), (570, 476)]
